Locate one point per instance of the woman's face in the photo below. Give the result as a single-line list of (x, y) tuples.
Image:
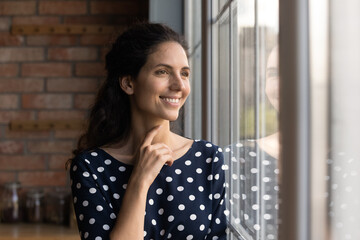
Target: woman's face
[(272, 78), (162, 85)]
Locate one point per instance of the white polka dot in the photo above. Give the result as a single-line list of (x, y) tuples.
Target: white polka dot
[(78, 185), (86, 235), (98, 238), (199, 170), (210, 196), (94, 176), (197, 154), (124, 186), (187, 162), (112, 216), (169, 236), (208, 145), (100, 169), (192, 197), (220, 149), (92, 220), (170, 198), (216, 159), (171, 218), (169, 179), (94, 154), (112, 178), (161, 211), (255, 207), (86, 174), (181, 207), (177, 171), (181, 227), (151, 201), (162, 232), (217, 196), (202, 227), (180, 188), (226, 212), (210, 177), (105, 187), (81, 217), (85, 203), (92, 190), (159, 191), (153, 222), (190, 179), (202, 207), (193, 217), (189, 237), (110, 204), (210, 217), (217, 176), (75, 199), (217, 221), (99, 208), (201, 188), (87, 161), (116, 196), (106, 227), (252, 154), (122, 169), (107, 161), (145, 233), (215, 238), (208, 160)]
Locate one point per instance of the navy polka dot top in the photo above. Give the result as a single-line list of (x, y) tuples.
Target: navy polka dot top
[(185, 201)]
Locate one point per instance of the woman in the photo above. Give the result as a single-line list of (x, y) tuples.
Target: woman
[(132, 178)]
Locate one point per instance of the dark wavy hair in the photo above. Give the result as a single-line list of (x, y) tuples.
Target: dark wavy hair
[(110, 116)]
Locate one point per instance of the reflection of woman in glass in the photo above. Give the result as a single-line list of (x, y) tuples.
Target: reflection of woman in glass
[(257, 161), (132, 178)]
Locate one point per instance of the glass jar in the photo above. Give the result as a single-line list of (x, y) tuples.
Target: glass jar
[(58, 206), (10, 203), (35, 205)]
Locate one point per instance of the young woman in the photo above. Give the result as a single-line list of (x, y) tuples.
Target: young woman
[(132, 178)]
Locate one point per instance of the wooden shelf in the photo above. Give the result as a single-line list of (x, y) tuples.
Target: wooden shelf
[(25, 231)]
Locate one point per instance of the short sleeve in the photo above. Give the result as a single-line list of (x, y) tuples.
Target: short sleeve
[(218, 225), (95, 217)]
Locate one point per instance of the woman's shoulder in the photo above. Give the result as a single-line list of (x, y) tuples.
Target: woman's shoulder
[(88, 157)]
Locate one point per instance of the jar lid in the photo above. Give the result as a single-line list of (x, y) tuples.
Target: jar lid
[(12, 185), (35, 193)]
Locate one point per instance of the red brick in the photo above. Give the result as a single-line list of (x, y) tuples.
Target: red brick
[(99, 19), (74, 53), (84, 101), (17, 7), (68, 134), (58, 161), (46, 101), (50, 147), (6, 39), (21, 54), (90, 69), (71, 114), (62, 7), (11, 147), (9, 101), (21, 85), (114, 7), (51, 40), (7, 177), (72, 84), (26, 134), (9, 70), (7, 116), (43, 178), (19, 162), (35, 20), (4, 23), (46, 69), (95, 39)]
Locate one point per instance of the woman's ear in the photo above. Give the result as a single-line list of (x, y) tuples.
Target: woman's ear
[(127, 85)]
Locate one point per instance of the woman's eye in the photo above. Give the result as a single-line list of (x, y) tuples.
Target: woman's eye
[(185, 74), (161, 72)]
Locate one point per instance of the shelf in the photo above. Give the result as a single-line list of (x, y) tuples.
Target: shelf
[(37, 232)]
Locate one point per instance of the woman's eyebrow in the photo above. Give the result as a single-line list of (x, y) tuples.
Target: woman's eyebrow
[(168, 66)]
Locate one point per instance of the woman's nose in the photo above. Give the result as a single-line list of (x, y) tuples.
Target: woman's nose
[(177, 83)]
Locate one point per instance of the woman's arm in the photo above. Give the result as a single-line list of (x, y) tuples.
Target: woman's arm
[(151, 158)]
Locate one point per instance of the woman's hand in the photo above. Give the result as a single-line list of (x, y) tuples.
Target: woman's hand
[(150, 158)]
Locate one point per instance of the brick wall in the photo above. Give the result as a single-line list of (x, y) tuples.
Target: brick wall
[(50, 77)]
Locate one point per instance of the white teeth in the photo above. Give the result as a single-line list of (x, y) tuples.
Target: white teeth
[(172, 100)]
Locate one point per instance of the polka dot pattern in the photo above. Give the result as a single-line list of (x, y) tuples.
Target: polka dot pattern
[(178, 204)]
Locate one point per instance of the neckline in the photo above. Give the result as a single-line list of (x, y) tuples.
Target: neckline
[(130, 165)]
